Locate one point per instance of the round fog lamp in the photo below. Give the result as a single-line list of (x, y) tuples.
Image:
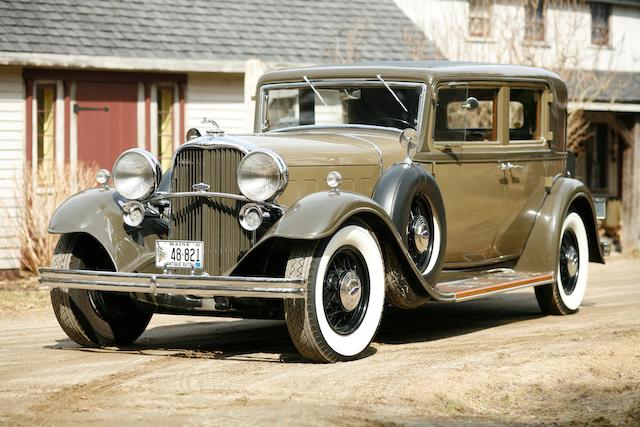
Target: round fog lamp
[(133, 213), (250, 217), (102, 177)]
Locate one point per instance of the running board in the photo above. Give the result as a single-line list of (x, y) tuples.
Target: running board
[(491, 283)]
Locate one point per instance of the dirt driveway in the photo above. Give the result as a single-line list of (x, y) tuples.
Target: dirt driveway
[(494, 361)]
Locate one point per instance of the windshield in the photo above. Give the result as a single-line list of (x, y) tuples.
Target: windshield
[(319, 103)]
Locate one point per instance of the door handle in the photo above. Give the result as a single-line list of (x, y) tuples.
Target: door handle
[(77, 108), (507, 166)]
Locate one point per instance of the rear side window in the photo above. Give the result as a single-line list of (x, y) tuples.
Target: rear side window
[(524, 114), (454, 122)]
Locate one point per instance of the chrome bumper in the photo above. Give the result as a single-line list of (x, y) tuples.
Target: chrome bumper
[(174, 284)]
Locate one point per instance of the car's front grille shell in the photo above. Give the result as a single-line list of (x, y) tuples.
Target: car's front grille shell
[(212, 220)]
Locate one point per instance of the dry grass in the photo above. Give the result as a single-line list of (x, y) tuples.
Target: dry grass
[(20, 296), (40, 193)]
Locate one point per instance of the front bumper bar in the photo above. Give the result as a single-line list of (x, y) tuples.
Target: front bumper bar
[(174, 284)]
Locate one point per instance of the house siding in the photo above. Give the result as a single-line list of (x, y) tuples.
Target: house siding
[(219, 97), (12, 131)]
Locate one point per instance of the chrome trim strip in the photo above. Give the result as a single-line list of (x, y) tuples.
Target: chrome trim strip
[(163, 195), (210, 194), (498, 291), (175, 284)]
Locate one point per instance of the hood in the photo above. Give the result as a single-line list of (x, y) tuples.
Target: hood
[(322, 147)]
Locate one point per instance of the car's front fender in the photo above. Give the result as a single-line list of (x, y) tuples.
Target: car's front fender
[(319, 215), (96, 212)]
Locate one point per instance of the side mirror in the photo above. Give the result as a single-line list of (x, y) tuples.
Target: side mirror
[(471, 104), (409, 141)]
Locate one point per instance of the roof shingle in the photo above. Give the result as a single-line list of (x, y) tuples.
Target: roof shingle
[(273, 30)]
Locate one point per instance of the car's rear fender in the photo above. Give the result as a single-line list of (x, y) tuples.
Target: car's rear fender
[(541, 250), (96, 212)]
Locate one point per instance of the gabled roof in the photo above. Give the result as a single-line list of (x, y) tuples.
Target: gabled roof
[(292, 31), (605, 86), (622, 87)]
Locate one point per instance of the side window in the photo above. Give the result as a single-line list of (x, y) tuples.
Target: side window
[(456, 122), (524, 114)]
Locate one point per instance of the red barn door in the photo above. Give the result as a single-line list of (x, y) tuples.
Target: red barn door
[(106, 117)]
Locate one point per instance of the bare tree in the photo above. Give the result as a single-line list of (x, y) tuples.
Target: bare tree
[(525, 32)]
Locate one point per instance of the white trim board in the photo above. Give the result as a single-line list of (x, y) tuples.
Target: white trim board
[(605, 106)]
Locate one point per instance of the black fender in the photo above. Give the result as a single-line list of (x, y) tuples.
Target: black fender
[(540, 253), (97, 213), (318, 216), (395, 191)]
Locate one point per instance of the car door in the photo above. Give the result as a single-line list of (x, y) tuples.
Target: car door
[(464, 144), (525, 165)]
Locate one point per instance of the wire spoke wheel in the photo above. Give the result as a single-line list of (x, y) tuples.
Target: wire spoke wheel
[(569, 261), (346, 290), (419, 232), (341, 311), (565, 295)]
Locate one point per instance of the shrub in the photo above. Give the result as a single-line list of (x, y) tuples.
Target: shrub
[(38, 194)]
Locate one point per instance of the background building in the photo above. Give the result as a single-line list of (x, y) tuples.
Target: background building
[(82, 81), (593, 46)]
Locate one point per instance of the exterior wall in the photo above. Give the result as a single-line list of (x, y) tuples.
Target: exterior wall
[(567, 35), (219, 97), (12, 131)]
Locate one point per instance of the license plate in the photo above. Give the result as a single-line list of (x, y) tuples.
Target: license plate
[(179, 254)]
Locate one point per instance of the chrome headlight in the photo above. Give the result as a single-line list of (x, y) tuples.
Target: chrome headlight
[(262, 175), (136, 174)]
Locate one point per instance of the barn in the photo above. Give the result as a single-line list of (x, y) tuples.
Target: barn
[(82, 81)]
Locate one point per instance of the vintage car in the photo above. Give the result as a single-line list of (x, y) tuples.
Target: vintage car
[(362, 186)]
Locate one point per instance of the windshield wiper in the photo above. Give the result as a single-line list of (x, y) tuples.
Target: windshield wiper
[(392, 93), (315, 90)]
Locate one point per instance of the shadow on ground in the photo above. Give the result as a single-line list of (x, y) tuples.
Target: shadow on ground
[(268, 340)]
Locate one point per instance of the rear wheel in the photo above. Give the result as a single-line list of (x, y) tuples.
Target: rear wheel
[(423, 235), (341, 312), (566, 294), (92, 318)]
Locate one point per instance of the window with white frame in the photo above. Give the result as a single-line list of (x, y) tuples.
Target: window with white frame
[(165, 125), (600, 13), (480, 18), (45, 129), (534, 17)]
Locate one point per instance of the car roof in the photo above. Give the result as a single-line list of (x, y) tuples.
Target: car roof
[(426, 71)]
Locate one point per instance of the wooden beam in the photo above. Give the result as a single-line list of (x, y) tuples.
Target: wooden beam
[(631, 194), (29, 119)]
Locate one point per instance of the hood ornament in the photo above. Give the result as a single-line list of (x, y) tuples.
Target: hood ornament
[(201, 187), (212, 127), (209, 127)]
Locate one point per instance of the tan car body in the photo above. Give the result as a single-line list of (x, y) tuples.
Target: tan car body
[(494, 218)]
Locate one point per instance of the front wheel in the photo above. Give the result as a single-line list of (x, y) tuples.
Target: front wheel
[(341, 312), (93, 318), (566, 294)]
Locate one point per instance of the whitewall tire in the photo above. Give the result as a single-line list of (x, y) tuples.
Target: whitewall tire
[(341, 312), (572, 268)]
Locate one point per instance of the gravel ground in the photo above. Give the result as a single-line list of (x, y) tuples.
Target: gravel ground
[(485, 362)]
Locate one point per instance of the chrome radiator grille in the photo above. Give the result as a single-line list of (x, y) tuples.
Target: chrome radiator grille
[(212, 220)]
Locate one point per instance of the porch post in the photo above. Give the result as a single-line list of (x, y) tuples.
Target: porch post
[(631, 194)]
